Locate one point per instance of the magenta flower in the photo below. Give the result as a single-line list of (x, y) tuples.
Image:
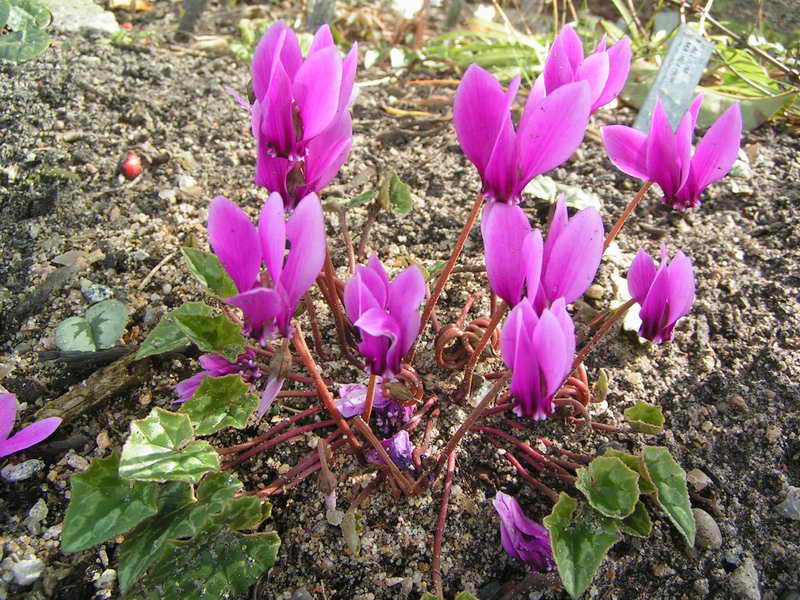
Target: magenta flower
[(215, 365), (522, 538), (517, 259), (605, 70), (664, 294), (268, 298), (665, 156), (388, 414), (539, 350), (385, 313), (550, 130), (25, 437), (300, 114)]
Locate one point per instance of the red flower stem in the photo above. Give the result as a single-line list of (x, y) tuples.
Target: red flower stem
[(417, 417), (546, 490), (626, 213), (271, 431), (416, 455), (577, 406), (364, 430), (312, 316), (231, 316), (609, 428), (300, 471), (578, 458), (300, 345), (441, 280), (366, 491), (348, 241), (436, 561), (373, 380), (500, 408), (620, 313), (531, 455), (266, 352), (331, 295), (497, 316), (275, 441), (297, 394), (581, 388)]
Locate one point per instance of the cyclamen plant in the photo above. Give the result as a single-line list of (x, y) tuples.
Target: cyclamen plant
[(176, 499)]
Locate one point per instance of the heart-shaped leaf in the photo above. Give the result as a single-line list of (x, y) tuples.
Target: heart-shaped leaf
[(580, 539), (167, 335), (209, 272), (103, 505), (107, 320), (644, 417), (638, 523), (213, 334), (75, 335), (610, 486), (635, 464), (220, 402), (672, 493), (161, 447)]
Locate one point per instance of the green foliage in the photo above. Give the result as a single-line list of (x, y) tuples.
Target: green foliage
[(209, 272), (395, 195), (167, 335), (635, 463), (161, 448), (580, 538), (103, 505), (220, 402), (638, 523), (27, 39), (644, 417), (609, 486), (672, 493), (99, 328), (217, 334)]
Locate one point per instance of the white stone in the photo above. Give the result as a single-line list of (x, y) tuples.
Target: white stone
[(79, 15), (27, 571)]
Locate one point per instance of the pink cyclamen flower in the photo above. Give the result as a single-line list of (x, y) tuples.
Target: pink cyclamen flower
[(665, 294), (522, 538), (387, 414), (665, 156), (300, 115), (550, 130), (539, 350), (605, 70), (385, 313), (215, 365), (25, 437), (517, 259), (268, 298), (400, 450)]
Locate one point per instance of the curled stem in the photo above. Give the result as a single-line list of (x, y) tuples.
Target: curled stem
[(497, 316)]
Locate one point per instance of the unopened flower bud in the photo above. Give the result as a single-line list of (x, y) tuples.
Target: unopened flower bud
[(281, 364)]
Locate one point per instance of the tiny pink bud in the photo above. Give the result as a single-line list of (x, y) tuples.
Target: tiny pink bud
[(126, 25), (131, 167)]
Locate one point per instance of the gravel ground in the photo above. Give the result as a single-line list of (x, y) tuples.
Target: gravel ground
[(727, 384)]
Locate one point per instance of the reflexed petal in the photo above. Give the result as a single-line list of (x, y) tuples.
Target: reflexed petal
[(347, 93), (375, 265), (681, 286), (479, 112), (406, 293), (260, 307), (504, 228), (532, 259), (352, 397), (268, 46), (235, 242), (558, 221), (563, 60), (653, 309), (274, 385), (535, 97), (305, 231), (520, 322), (326, 153), (217, 365), (316, 90), (694, 109), (594, 71), (271, 171), (185, 389), (500, 175), (8, 414), (559, 311), (322, 39), (377, 323), (554, 130), (716, 152), (640, 276), (664, 165), (272, 233), (277, 122), (359, 296), (627, 149), (551, 359), (29, 436), (575, 257), (619, 65)]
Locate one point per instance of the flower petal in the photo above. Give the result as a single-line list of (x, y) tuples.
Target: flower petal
[(378, 324), (551, 361), (594, 71), (326, 153), (558, 221), (563, 60), (619, 65), (640, 276), (316, 90), (554, 130), (322, 39), (359, 293), (406, 293), (272, 233), (347, 92), (305, 231), (681, 287), (261, 307), (8, 414), (665, 165), (271, 389), (575, 257), (29, 436), (627, 149), (716, 152), (532, 250), (504, 228), (235, 242)]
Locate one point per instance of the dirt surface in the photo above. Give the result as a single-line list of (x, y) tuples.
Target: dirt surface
[(728, 384)]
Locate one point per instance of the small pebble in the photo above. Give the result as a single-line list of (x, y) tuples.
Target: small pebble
[(27, 571), (77, 462), (97, 292), (773, 433), (744, 582), (790, 507), (21, 471), (36, 515), (738, 404), (103, 441), (708, 533), (595, 292), (700, 587), (186, 181), (698, 480), (106, 580), (302, 594), (663, 570)]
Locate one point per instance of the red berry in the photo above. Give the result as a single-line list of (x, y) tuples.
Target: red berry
[(131, 167), (126, 25)]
